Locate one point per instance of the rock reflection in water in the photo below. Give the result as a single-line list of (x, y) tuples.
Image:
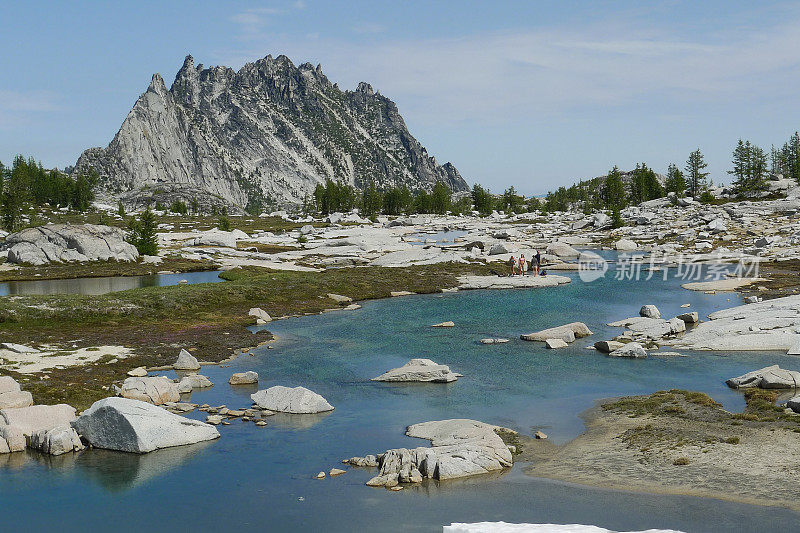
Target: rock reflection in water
[(114, 471)]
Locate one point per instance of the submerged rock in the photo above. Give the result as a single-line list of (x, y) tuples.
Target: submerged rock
[(134, 426), (567, 333), (186, 361), (298, 400), (448, 324), (155, 390), (423, 370), (555, 343), (244, 378), (495, 340)]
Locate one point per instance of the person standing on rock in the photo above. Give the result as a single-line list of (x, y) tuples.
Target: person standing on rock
[(537, 260), (513, 264), (522, 264)]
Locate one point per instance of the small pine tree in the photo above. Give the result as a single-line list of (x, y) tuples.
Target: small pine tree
[(142, 233), (482, 200), (616, 219), (614, 190), (224, 223), (440, 199), (675, 181), (120, 209), (694, 173)]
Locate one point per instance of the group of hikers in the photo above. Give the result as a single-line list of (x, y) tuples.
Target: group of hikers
[(521, 265)]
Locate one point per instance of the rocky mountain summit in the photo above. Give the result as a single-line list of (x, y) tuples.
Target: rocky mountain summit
[(261, 136)]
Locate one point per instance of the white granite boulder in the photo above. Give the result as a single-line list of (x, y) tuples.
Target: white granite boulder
[(29, 420), (625, 245), (298, 400), (422, 370), (459, 448), (649, 311), (193, 381), (770, 377), (56, 441), (186, 361), (12, 439), (567, 333), (11, 395), (631, 349), (768, 325), (155, 390), (261, 316), (562, 250), (134, 426)]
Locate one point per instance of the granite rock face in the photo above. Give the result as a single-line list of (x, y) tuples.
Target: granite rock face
[(133, 426), (265, 134), (66, 243)]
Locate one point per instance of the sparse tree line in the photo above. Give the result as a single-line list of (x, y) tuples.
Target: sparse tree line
[(26, 183), (751, 168), (333, 196)]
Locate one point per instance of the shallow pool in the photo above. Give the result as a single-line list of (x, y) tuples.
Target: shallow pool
[(103, 285)]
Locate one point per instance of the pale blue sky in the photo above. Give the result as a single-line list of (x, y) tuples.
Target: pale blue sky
[(535, 94)]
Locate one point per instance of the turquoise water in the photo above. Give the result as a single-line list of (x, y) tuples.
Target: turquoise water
[(441, 238), (103, 285), (256, 479)]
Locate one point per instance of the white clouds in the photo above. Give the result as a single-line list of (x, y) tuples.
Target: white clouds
[(253, 20), (17, 107), (506, 76)]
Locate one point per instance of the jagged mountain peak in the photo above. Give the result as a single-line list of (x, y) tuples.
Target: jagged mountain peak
[(261, 136)]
